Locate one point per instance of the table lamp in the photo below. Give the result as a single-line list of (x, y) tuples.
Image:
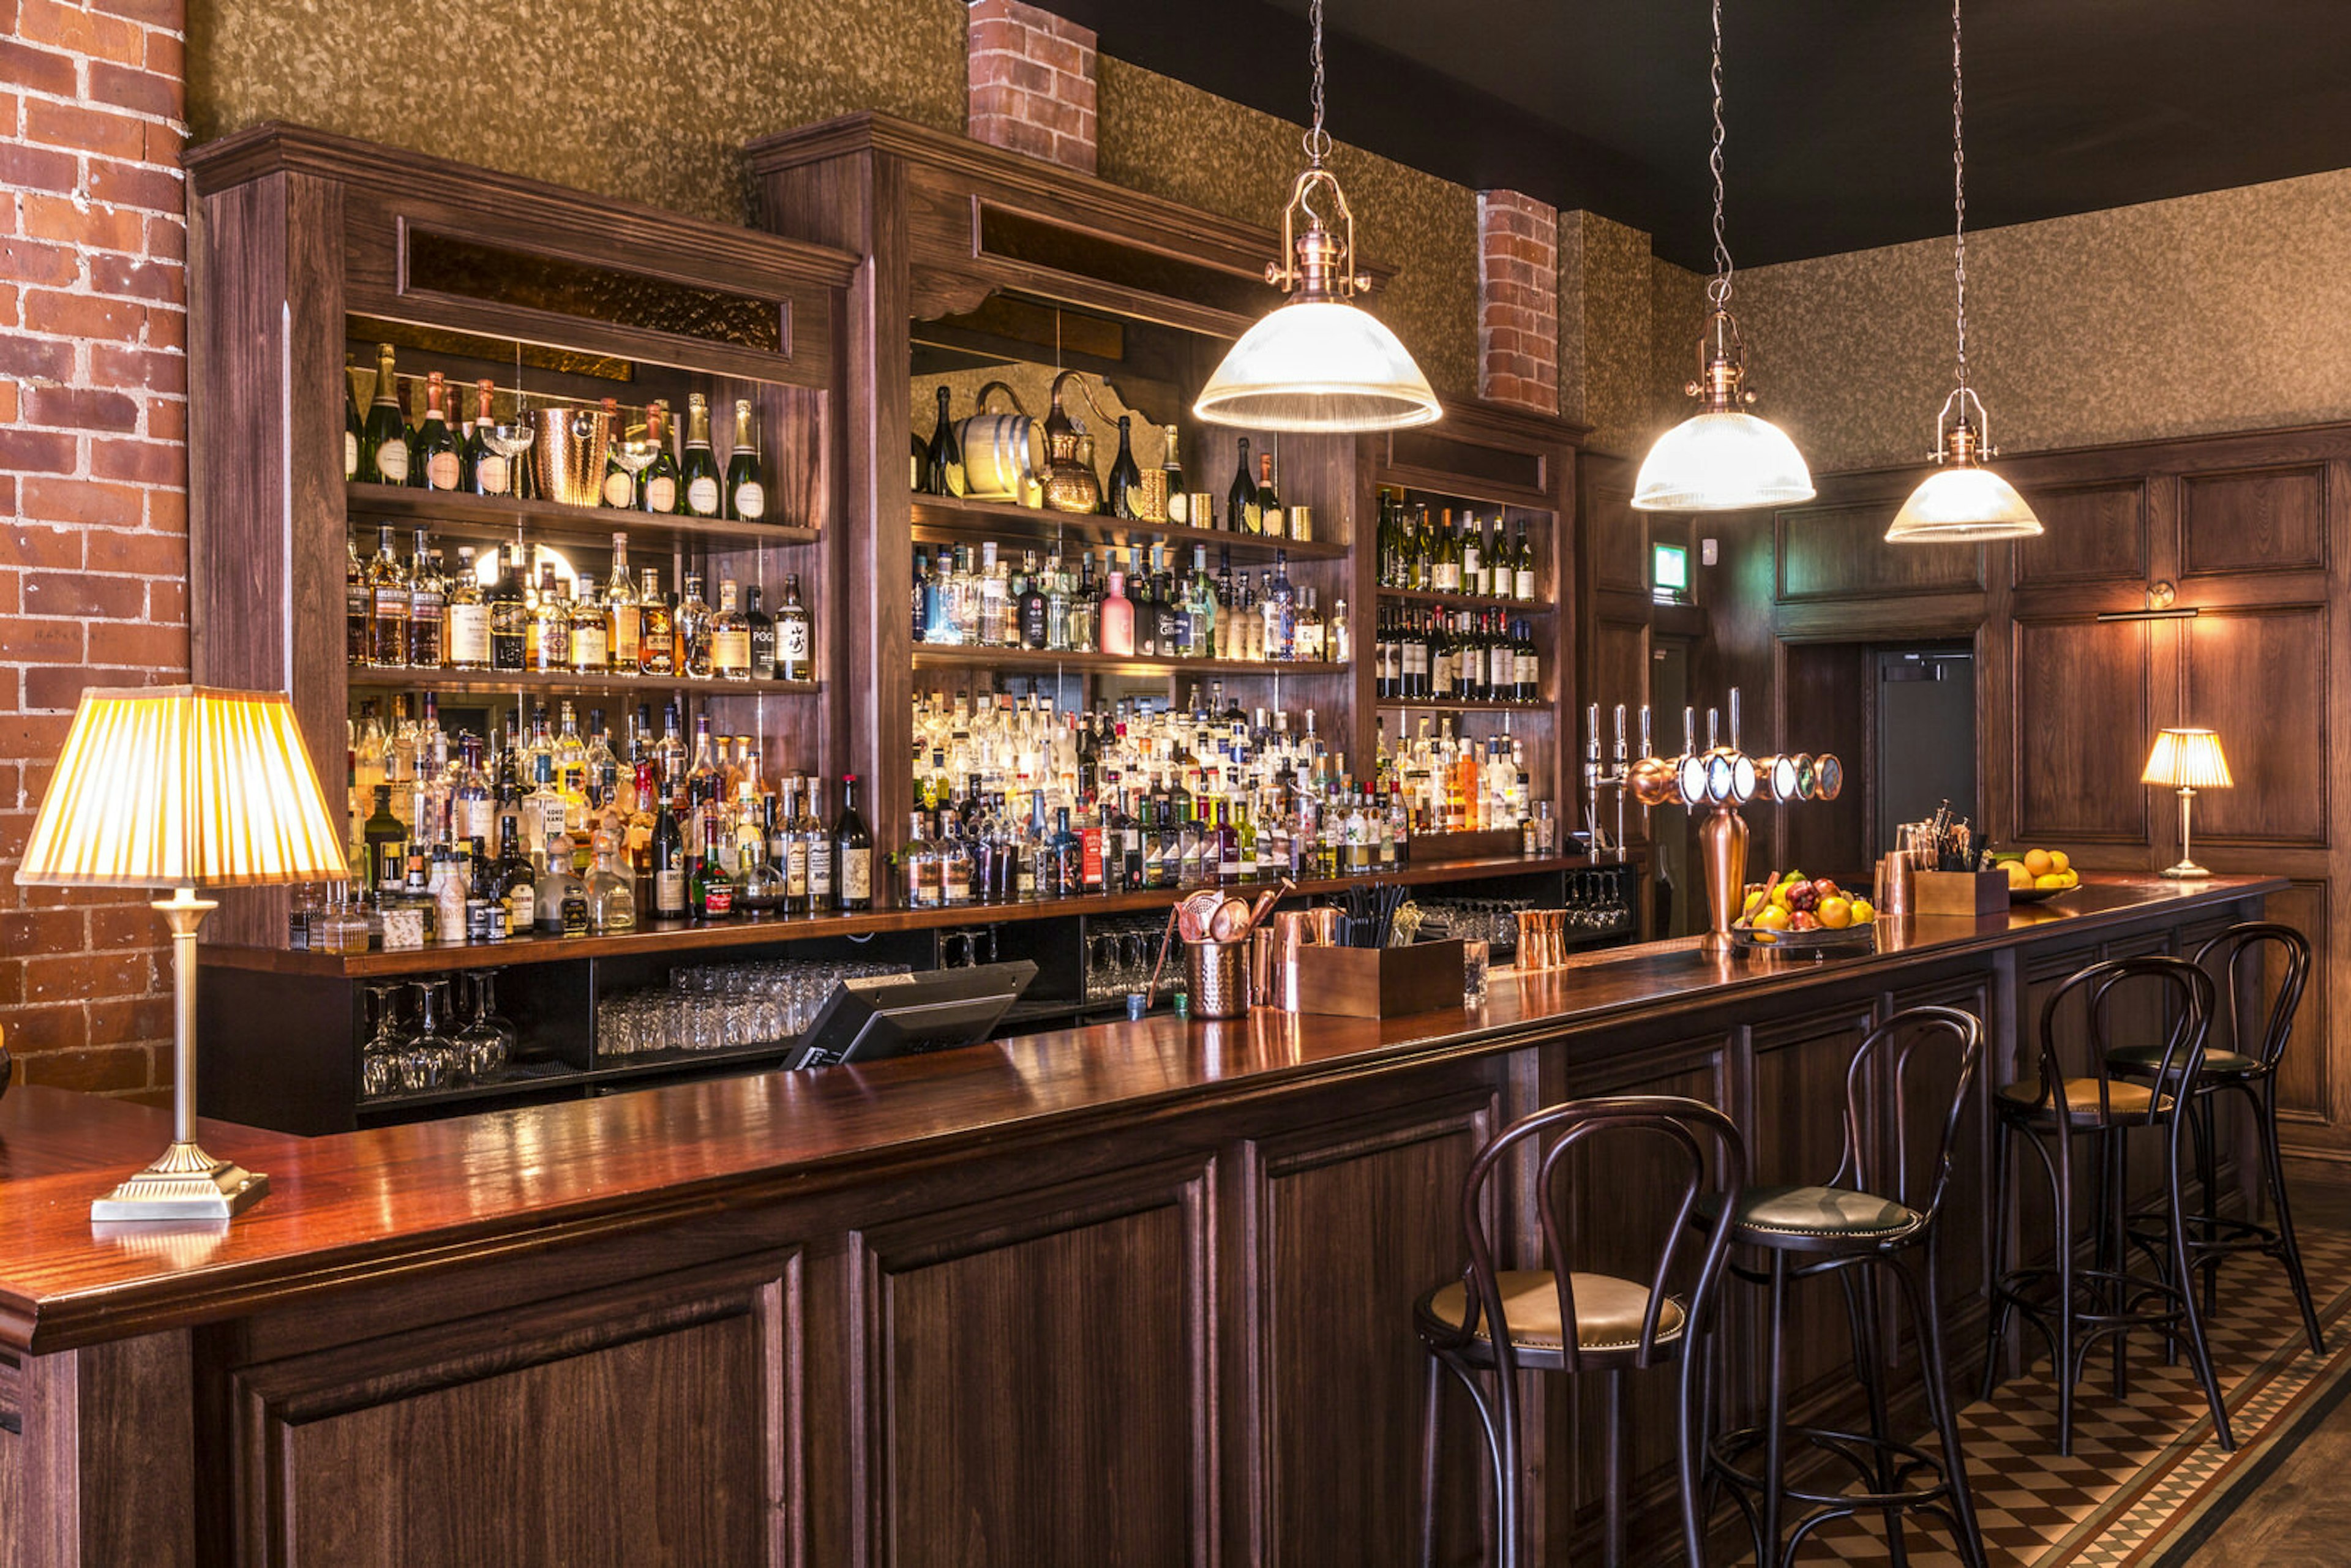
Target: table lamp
[(2188, 760), (183, 787)]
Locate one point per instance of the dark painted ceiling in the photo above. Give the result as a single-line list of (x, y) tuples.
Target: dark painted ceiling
[(1838, 111)]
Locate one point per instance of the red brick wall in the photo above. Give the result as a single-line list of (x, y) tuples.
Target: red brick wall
[(1032, 83), (93, 487), (1518, 300)]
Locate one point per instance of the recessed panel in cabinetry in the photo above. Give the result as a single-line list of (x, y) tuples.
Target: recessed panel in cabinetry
[(1620, 668), (2092, 533), (1042, 1371), (2265, 520), (2261, 680), (1620, 542), (2084, 720), (1840, 552)]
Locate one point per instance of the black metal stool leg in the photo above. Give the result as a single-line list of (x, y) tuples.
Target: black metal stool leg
[(2199, 1350), (2061, 1357), (1611, 1471), (1926, 1314), (1428, 1457), (2273, 1177), (2118, 1234), (1861, 1319), (1996, 1314), (1775, 1412), (2208, 1176), (1691, 1433)]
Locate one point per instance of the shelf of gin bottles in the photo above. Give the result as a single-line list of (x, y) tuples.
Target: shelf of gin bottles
[(940, 518), (933, 655), (496, 683), (456, 514)]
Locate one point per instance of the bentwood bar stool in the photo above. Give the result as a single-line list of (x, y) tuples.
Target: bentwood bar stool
[(1873, 1215), (2073, 1306), (2237, 956), (1487, 1326)]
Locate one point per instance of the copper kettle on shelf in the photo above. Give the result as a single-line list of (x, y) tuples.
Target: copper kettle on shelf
[(1070, 483)]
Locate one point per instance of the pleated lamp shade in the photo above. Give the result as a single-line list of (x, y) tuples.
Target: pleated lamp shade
[(183, 787), (2188, 758)]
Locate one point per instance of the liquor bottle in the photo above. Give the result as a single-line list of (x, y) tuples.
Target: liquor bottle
[(816, 841), (923, 886), (945, 457), (440, 456), (656, 629), (1241, 513), (1064, 860), (747, 498), (388, 605), (1179, 505), (515, 882), (1030, 604), (612, 893), (551, 625), (705, 494), (709, 891), (428, 601), (624, 622), (1117, 619), (1271, 520), (691, 625), (354, 435), (795, 636), (657, 486), (669, 865), (491, 471), (1126, 489), (730, 635), (591, 640), (763, 635), (386, 837), (509, 616), (852, 852), (383, 441)]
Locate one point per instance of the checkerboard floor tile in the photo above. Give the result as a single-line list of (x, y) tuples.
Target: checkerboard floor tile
[(2138, 1464)]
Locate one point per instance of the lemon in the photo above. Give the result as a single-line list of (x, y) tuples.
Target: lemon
[(2059, 862), (1864, 912), (2018, 877), (2050, 879), (2037, 862)]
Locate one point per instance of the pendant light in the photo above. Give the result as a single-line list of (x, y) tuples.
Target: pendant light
[(1318, 362), (1722, 458), (1962, 502)]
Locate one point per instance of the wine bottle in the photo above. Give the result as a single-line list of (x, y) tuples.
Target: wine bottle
[(944, 458), (383, 447), (698, 469), (1125, 478), (919, 473), (795, 636), (1522, 568), (747, 498), (852, 852), (1241, 514), (1179, 505), (657, 486), (353, 436)]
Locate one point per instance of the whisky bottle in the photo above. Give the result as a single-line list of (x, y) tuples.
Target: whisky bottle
[(747, 498), (591, 640), (510, 615), (730, 635), (622, 617), (691, 629), (795, 636), (466, 627), (428, 599), (384, 445), (359, 611), (437, 447), (656, 629), (387, 605), (551, 625), (763, 635), (699, 470)]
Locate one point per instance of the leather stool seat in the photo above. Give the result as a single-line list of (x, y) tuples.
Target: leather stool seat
[(1608, 1311), (1821, 1211), (2125, 1100), (2148, 1059)]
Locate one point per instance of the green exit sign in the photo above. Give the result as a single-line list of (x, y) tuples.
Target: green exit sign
[(1669, 572)]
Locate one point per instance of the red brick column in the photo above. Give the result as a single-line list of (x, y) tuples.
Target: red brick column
[(1032, 83), (93, 487), (1518, 300)]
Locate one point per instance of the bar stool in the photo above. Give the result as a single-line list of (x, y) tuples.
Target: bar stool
[(1556, 1317), (1880, 1206), (2213, 1240), (2074, 1307)]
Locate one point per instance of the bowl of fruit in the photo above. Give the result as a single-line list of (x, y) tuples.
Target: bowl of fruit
[(1794, 914), (2035, 876)]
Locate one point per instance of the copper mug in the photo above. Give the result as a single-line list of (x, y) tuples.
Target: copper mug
[(1293, 929)]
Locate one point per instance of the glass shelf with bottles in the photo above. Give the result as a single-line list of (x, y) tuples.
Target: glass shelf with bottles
[(487, 623), (1143, 611), (1447, 553), (454, 445)]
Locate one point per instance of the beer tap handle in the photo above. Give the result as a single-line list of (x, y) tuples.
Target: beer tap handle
[(1734, 718), (1623, 755), (1648, 747), (1714, 729), (1592, 733), (1689, 731)]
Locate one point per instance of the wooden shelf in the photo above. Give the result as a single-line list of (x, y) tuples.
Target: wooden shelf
[(943, 518), (932, 656), (1542, 710), (493, 682), (457, 514), (1466, 601)]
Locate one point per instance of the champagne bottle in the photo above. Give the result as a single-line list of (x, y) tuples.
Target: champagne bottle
[(1125, 478), (747, 498), (384, 447), (354, 432), (1241, 514), (492, 470), (1179, 505), (698, 469), (437, 449), (657, 486), (919, 472), (1270, 519), (945, 455), (852, 852)]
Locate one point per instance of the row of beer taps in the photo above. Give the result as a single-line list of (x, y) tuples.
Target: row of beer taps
[(1720, 777)]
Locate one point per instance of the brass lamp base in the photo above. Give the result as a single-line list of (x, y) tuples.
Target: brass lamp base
[(184, 1182), (2187, 870)]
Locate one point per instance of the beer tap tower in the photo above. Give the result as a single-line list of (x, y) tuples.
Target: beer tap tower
[(1720, 779)]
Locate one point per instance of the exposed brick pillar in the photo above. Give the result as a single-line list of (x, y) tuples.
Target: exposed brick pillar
[(1518, 300), (93, 487), (1032, 83)]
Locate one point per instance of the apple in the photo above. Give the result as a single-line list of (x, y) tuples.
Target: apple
[(1803, 920), (1826, 888), (1804, 899)]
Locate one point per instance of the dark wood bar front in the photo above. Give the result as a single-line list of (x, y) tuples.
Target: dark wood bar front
[(1139, 1294)]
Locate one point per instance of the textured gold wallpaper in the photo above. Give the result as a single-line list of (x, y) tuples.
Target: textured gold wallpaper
[(649, 99), (1161, 135), (1677, 316), (1604, 329), (2202, 313)]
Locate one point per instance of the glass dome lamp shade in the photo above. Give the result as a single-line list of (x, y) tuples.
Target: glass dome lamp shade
[(1721, 458), (1962, 502)]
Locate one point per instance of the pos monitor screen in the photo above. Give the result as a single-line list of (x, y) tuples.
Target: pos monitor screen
[(877, 1015)]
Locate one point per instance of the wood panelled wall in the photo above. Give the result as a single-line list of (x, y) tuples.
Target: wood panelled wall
[(2256, 530)]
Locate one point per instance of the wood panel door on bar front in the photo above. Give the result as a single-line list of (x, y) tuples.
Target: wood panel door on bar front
[(2252, 532)]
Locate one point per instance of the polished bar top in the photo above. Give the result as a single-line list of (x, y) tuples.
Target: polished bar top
[(355, 1206)]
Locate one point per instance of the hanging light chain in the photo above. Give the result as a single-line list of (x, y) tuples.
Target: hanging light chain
[(1717, 290), (1317, 140), (1958, 194)]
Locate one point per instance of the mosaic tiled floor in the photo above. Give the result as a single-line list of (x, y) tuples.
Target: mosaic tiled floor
[(2141, 1470)]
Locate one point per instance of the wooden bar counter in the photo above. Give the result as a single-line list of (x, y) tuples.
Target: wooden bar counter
[(1138, 1294)]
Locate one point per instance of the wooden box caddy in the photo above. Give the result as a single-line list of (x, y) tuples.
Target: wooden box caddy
[(1379, 982), (1968, 893)]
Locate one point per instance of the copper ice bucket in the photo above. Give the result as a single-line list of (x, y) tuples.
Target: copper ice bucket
[(568, 453)]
